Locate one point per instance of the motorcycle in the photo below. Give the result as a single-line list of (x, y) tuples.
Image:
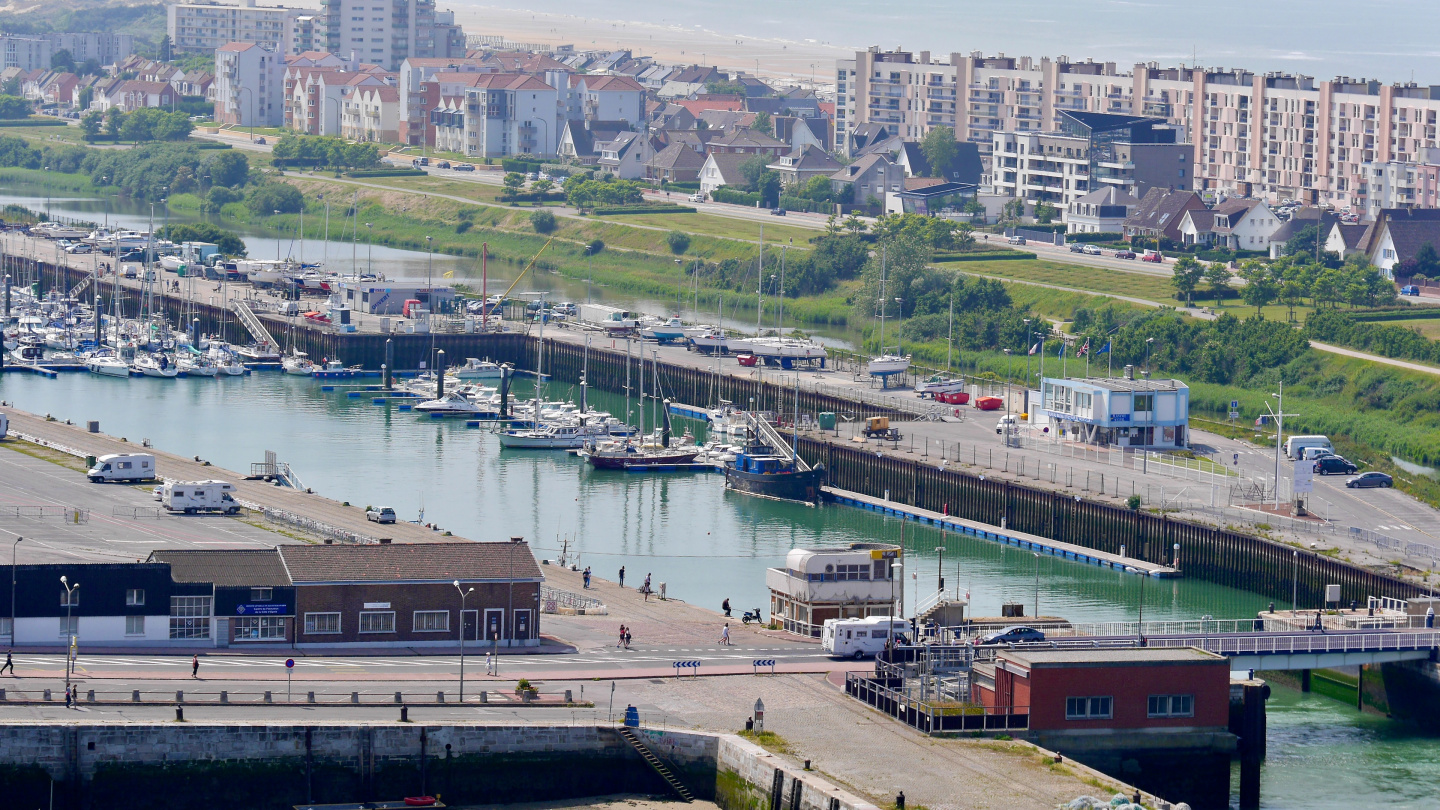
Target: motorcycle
[(751, 616)]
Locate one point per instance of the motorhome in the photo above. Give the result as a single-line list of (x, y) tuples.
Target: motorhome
[(1295, 445), (199, 496), (857, 638), (609, 319), (123, 467)]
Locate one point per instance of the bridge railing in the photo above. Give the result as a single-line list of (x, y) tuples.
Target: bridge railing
[(1305, 643)]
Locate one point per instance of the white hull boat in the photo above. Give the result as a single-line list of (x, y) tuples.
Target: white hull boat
[(475, 369), (150, 367), (552, 437), (887, 364), (108, 366)]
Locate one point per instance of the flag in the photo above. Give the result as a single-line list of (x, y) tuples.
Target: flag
[(1084, 350), (1104, 349), (1061, 353), (1035, 348)]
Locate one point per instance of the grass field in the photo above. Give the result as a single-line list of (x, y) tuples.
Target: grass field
[(1092, 279), (1429, 327), (44, 135)]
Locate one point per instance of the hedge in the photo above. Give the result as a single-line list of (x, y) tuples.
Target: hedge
[(530, 196), (1094, 237), (683, 186), (1410, 313), (1228, 255), (32, 122), (726, 195), (521, 166), (984, 256), (210, 145), (643, 209), (386, 173), (808, 206)]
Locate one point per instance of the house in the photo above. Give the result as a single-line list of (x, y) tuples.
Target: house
[(867, 134), (796, 168), (742, 141), (578, 139), (801, 132), (1343, 239), (719, 122), (611, 98), (1398, 234), (1235, 224), (626, 156), (722, 169), (133, 94), (676, 163), (1159, 213), (872, 177), (1300, 219), (500, 115), (1103, 210), (197, 84), (672, 117), (848, 582)]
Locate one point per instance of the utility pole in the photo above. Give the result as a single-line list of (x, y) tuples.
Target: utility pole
[(1279, 417)]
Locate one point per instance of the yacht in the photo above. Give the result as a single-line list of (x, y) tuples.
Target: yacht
[(198, 365), (156, 365), (561, 436), (455, 403), (29, 351), (710, 341), (887, 364), (939, 384), (298, 364), (784, 349), (476, 369), (662, 331), (105, 363)]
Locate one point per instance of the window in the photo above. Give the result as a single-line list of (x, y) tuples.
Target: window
[(1172, 706), (1144, 403), (260, 594), (377, 622), (134, 625), (322, 623), (7, 626), (1087, 708), (69, 626), (190, 617), (432, 621), (70, 598), (259, 628), (134, 597)]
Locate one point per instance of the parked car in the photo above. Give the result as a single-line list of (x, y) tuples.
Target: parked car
[(1369, 479), (1010, 422), (777, 212), (464, 167), (1153, 256), (80, 248), (1334, 465), (530, 175), (380, 514), (697, 197), (260, 140), (1124, 254), (1093, 250), (1015, 240), (1076, 247), (1410, 289), (1018, 634)]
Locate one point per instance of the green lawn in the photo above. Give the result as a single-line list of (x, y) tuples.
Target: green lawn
[(723, 227), (52, 134), (1091, 279), (1429, 327)]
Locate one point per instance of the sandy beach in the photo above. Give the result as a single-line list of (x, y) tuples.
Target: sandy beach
[(772, 58)]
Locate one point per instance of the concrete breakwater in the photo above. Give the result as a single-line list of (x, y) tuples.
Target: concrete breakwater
[(244, 766)]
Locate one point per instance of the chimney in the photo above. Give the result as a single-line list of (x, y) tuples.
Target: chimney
[(1129, 372)]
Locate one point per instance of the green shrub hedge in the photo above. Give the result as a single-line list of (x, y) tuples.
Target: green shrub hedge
[(385, 173), (1094, 237), (32, 122), (984, 256), (733, 197)]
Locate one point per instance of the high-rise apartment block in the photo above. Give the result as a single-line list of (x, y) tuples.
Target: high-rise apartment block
[(249, 85), (26, 53), (201, 27), (387, 32), (1270, 135)]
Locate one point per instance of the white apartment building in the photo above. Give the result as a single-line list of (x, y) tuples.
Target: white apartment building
[(1274, 135), (370, 114), (26, 53), (500, 115), (249, 85), (202, 27), (104, 48), (387, 32)]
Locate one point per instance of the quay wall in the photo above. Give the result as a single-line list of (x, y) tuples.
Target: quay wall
[(1206, 552), (248, 765)]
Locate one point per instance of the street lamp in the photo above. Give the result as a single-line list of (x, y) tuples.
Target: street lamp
[(69, 601), (13, 550), (463, 594), (1149, 343), (590, 271), (897, 571), (1140, 627), (514, 544), (1037, 584), (940, 572), (1009, 368)]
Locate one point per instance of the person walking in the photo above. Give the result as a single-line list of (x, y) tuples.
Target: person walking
[(627, 638), (622, 576), (69, 697), (621, 642), (725, 606), (725, 635), (9, 663), (587, 577), (195, 666)]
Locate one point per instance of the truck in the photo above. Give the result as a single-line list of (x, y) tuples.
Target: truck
[(122, 467), (857, 638), (191, 497)]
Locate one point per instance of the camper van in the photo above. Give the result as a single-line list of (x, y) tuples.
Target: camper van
[(1295, 445), (123, 467), (199, 496), (857, 638)]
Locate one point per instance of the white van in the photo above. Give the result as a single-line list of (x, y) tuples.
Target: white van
[(123, 467), (4, 425), (1295, 445), (857, 638), (199, 496)]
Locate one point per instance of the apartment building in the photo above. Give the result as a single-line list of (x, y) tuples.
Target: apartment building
[(25, 53), (1396, 184), (387, 32), (1276, 135), (499, 115), (104, 48), (202, 27), (370, 114), (419, 94), (249, 85)]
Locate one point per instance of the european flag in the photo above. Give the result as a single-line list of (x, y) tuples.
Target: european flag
[(1105, 348)]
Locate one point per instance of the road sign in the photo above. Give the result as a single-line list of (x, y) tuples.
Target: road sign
[(1234, 404), (289, 663), (1304, 477)]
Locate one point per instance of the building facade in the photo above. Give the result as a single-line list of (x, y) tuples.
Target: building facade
[(249, 85), (105, 48), (25, 53), (204, 27), (500, 115), (1125, 412), (852, 582), (387, 32)]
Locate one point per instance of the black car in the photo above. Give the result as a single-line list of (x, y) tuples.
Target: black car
[(1370, 479), (1018, 634), (778, 212), (1076, 247), (1334, 465)]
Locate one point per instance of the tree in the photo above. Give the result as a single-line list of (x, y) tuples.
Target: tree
[(1013, 210), (229, 243), (113, 117), (166, 50), (84, 98), (91, 123), (973, 207), (272, 197), (230, 169), (1045, 213), (763, 123), (725, 88), (13, 106), (1186, 277), (941, 151), (855, 225), (11, 86), (174, 126), (62, 60), (543, 186), (512, 182), (679, 241), (769, 188), (137, 126), (751, 168), (1260, 285), (1217, 276), (1427, 263), (1291, 292), (542, 221)]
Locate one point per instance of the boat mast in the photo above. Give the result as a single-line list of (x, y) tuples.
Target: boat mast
[(760, 283), (628, 412), (882, 300), (950, 337)]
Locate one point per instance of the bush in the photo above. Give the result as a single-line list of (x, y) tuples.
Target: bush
[(521, 166), (217, 197), (595, 246), (733, 197), (273, 197), (463, 225), (1094, 237), (679, 241), (542, 221)]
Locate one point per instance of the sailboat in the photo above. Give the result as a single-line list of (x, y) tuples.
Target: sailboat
[(654, 454), (886, 364)]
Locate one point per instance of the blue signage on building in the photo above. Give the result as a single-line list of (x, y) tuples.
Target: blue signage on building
[(260, 610), (1120, 417)]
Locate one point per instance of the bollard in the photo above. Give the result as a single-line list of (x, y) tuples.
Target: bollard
[(179, 714), (807, 764), (90, 696), (268, 698), (439, 697), (354, 697), (224, 696), (47, 695), (568, 696), (484, 696), (135, 696), (310, 697), (404, 714), (397, 698), (179, 696), (527, 696)]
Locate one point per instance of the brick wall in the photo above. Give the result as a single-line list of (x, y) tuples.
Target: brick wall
[(404, 600)]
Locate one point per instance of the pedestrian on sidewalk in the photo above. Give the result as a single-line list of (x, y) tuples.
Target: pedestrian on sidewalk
[(195, 666), (587, 577), (621, 642), (627, 638), (725, 606), (9, 663), (725, 636), (69, 697), (622, 576)]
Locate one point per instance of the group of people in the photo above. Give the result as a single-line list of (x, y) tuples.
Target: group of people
[(624, 638)]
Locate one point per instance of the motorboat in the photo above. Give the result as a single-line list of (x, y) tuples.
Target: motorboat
[(156, 365), (662, 331), (56, 230), (198, 365), (454, 403), (29, 351), (562, 436), (476, 369), (258, 353), (107, 364), (939, 384), (786, 350), (710, 341)]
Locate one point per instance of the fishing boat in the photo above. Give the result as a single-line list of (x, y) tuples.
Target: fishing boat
[(759, 470), (476, 369)]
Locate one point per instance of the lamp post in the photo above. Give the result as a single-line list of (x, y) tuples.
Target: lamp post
[(897, 571), (1149, 344), (463, 594), (940, 571), (1037, 584), (1029, 336), (69, 601), (679, 288), (1009, 367), (252, 111), (14, 549), (429, 285), (514, 544), (370, 249), (1140, 626), (590, 271)]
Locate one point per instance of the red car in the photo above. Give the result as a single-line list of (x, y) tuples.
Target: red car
[(1153, 256), (1124, 254)]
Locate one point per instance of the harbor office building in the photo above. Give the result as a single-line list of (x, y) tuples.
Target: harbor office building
[(1124, 412), (851, 582), (385, 595)]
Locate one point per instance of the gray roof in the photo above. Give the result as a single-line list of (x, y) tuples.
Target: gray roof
[(1161, 209), (729, 165), (411, 562), (915, 157), (1108, 195), (809, 158), (678, 156), (1114, 656), (225, 567), (861, 166)]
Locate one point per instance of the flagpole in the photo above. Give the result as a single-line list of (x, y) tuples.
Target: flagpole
[(1064, 361), (1087, 359)]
